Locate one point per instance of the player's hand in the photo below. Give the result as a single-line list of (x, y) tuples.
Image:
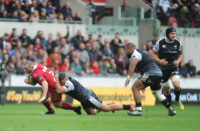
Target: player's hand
[(163, 62), (42, 99), (176, 63), (127, 81)]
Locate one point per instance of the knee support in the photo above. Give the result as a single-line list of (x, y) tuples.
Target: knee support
[(175, 78), (158, 94)]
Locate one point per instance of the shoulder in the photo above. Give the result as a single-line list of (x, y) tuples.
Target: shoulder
[(177, 41), (137, 54), (161, 40)]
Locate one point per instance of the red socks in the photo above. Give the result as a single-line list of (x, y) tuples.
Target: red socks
[(65, 105), (48, 106)]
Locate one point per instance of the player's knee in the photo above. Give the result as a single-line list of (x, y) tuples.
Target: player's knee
[(175, 78), (158, 94), (57, 105)]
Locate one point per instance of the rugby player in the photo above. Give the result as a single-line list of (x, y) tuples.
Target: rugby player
[(168, 53), (151, 75), (88, 99), (38, 73)]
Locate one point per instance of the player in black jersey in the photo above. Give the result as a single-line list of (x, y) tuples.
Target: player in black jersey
[(151, 75), (88, 99), (168, 53)]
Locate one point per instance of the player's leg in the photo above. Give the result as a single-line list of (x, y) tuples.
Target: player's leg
[(177, 90), (94, 102), (137, 86), (47, 104), (157, 92), (165, 86), (166, 91), (114, 107), (56, 100)]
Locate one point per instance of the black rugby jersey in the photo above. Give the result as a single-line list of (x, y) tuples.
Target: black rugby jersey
[(169, 51)]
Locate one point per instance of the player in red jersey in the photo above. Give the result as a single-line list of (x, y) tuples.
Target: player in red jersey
[(38, 73)]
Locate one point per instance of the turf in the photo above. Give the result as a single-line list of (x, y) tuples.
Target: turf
[(28, 117)]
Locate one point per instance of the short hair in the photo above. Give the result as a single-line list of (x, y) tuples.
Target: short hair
[(61, 76), (29, 63), (130, 45)]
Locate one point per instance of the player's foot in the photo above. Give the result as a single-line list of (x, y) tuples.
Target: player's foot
[(135, 113), (78, 110), (180, 105), (172, 113), (49, 112)]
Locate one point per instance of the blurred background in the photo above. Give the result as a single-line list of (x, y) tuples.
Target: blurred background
[(86, 38)]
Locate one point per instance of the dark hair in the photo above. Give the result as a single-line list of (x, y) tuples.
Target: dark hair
[(61, 76)]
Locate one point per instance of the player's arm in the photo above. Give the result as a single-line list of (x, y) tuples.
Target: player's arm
[(45, 90), (131, 69), (154, 54), (179, 58), (59, 88)]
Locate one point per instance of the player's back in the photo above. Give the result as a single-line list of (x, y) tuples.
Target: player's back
[(147, 64), (77, 91), (41, 73)]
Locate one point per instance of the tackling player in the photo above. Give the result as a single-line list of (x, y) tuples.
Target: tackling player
[(38, 73), (88, 99), (168, 53)]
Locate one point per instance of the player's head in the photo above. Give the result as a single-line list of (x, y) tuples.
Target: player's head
[(28, 67), (130, 47), (170, 33), (62, 78)]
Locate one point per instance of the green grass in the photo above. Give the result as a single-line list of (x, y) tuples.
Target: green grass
[(28, 117)]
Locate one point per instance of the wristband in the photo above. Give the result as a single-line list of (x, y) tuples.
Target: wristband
[(128, 77)]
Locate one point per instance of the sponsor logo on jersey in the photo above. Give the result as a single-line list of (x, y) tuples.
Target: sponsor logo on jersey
[(163, 46)]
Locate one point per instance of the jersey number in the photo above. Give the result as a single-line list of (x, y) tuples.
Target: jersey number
[(45, 70)]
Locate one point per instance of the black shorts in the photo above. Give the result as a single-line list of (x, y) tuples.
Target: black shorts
[(168, 73), (92, 102), (152, 81)]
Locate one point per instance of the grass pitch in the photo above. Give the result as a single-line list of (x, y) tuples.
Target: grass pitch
[(28, 117)]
